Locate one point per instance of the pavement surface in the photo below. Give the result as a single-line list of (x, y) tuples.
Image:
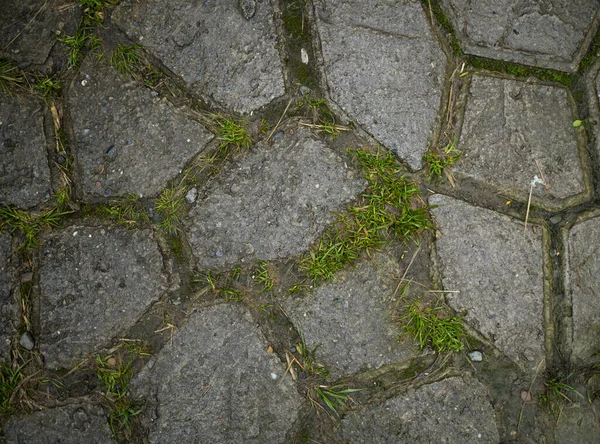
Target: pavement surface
[(169, 169)]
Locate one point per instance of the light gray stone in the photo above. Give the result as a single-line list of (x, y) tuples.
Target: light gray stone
[(583, 286), (273, 204), (476, 356), (215, 384), (94, 284), (511, 127), (545, 33), (128, 140), (497, 271), (24, 172), (7, 303), (351, 319), (217, 47), (27, 341), (385, 69), (448, 411), (71, 424)]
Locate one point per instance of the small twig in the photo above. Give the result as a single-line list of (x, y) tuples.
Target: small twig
[(527, 213), (280, 119), (537, 369), (405, 272), (335, 127)]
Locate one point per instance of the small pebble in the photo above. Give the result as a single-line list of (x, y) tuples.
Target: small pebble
[(27, 277), (273, 376), (191, 195), (304, 90), (278, 135), (61, 160), (476, 356), (219, 252), (111, 152), (86, 131), (293, 349), (107, 192), (27, 341)]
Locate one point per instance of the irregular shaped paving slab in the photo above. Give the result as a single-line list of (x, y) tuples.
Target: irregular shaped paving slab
[(24, 172), (7, 305), (583, 285), (71, 424), (128, 140), (498, 273), (217, 384), (578, 424), (512, 130), (274, 204), (94, 284), (218, 47), (385, 69), (29, 27), (351, 319), (448, 411), (547, 34)]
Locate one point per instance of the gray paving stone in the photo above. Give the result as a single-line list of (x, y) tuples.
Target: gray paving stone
[(547, 34), (448, 411), (24, 172), (94, 283), (28, 29), (351, 319), (217, 384), (212, 45), (582, 283), (128, 140), (7, 304), (385, 69), (273, 204), (498, 273), (76, 423), (509, 126), (578, 424)]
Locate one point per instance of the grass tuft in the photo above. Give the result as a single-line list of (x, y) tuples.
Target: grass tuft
[(47, 87), (126, 59), (437, 163), (430, 328), (263, 277), (10, 77), (10, 381), (558, 394), (169, 205), (335, 398), (232, 133), (28, 225), (309, 363)]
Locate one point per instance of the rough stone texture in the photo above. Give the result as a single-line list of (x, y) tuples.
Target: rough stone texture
[(583, 285), (28, 29), (351, 319), (212, 46), (128, 140), (71, 424), (24, 172), (578, 424), (448, 411), (273, 204), (508, 126), (94, 283), (498, 273), (546, 33), (7, 305), (215, 384), (385, 69)]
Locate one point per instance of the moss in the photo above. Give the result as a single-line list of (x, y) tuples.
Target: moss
[(297, 28), (176, 247), (436, 10), (591, 53), (518, 70)]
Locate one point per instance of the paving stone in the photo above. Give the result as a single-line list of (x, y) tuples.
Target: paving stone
[(273, 204), (583, 285), (509, 128), (547, 34), (23, 183), (448, 411), (217, 47), (28, 29), (578, 424), (94, 284), (385, 69), (128, 140), (351, 319), (218, 384), (71, 424), (7, 304), (498, 273)]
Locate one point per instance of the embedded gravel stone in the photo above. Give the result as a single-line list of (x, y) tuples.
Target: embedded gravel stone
[(512, 130), (71, 424), (584, 287), (217, 382), (273, 204), (448, 411), (351, 320), (497, 271), (128, 140), (225, 49), (24, 172), (7, 304), (94, 284), (385, 69), (546, 33)]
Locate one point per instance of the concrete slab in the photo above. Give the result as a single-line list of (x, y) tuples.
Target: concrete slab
[(7, 302)]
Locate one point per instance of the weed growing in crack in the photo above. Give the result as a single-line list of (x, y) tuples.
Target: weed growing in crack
[(29, 225), (127, 211), (169, 205), (431, 328), (386, 210), (262, 277), (232, 133), (321, 116), (126, 59), (10, 77), (77, 43), (47, 87), (437, 163), (558, 394), (10, 381), (335, 398), (308, 362)]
